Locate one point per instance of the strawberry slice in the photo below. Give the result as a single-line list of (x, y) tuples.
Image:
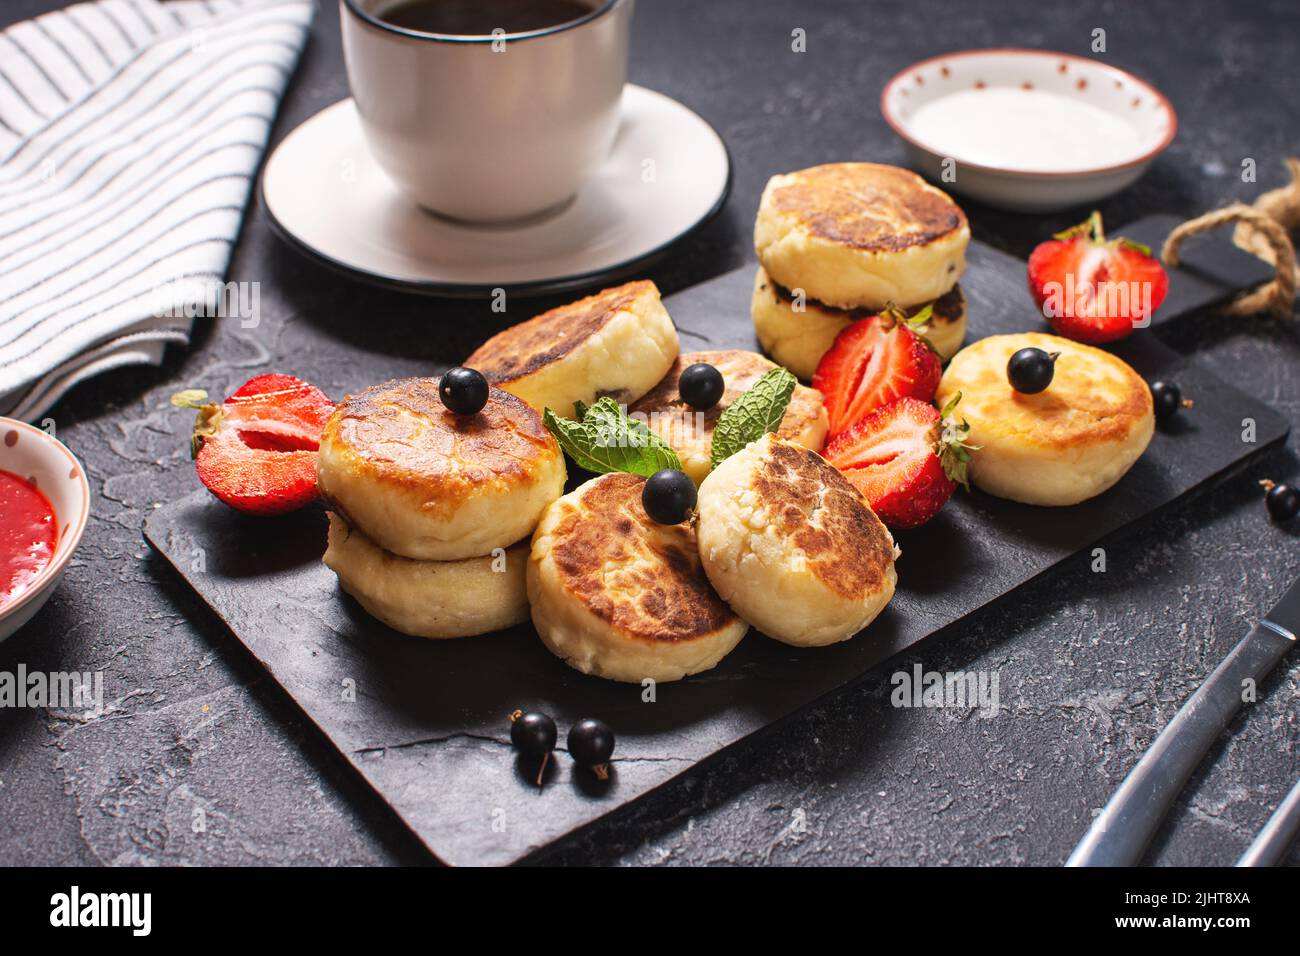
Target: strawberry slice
[(906, 458), (257, 450), (1092, 289), (875, 361)]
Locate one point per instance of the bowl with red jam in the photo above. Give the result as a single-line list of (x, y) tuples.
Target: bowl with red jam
[(44, 505)]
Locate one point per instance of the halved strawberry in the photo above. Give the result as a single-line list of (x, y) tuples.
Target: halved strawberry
[(873, 362), (257, 450), (1092, 289), (906, 458)]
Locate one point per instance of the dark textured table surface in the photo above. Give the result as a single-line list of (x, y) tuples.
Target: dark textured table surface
[(1090, 665)]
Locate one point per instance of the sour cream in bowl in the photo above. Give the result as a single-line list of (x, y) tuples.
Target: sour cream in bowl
[(1027, 130), (44, 507)]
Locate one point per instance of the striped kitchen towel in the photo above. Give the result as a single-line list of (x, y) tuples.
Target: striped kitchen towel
[(129, 134)]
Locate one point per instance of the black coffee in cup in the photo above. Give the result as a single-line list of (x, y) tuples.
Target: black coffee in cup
[(482, 17)]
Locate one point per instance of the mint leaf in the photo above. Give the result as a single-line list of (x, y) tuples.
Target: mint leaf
[(607, 440), (753, 415)]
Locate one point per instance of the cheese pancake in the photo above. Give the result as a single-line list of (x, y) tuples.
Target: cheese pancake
[(799, 339), (426, 483), (619, 596), (436, 599), (792, 546), (860, 235), (1063, 445), (690, 431), (618, 342)]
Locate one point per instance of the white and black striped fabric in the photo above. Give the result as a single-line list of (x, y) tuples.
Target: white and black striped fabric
[(129, 134)]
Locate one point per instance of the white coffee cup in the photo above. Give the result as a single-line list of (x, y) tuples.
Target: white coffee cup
[(488, 128)]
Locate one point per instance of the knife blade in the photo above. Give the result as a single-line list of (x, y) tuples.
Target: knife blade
[(1273, 842), (1121, 832)]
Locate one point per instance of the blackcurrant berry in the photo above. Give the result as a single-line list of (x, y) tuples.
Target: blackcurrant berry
[(1030, 370), (591, 744), (1167, 398), (1282, 501), (701, 386), (668, 496), (533, 735), (463, 390)]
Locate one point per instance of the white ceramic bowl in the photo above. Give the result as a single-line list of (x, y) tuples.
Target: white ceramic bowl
[(1084, 174), (32, 454)]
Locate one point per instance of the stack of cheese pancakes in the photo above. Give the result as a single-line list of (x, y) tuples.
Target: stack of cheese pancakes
[(839, 242), (432, 512)]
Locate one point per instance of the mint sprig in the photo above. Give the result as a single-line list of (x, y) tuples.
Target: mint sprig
[(604, 439), (753, 415)]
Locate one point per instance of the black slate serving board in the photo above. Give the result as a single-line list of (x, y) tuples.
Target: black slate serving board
[(425, 722)]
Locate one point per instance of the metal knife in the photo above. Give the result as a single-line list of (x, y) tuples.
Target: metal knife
[(1120, 833), (1270, 847)]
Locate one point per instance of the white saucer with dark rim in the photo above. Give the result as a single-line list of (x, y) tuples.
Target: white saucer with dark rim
[(668, 172)]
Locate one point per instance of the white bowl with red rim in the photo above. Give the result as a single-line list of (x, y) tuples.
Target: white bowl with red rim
[(40, 459), (1027, 130)]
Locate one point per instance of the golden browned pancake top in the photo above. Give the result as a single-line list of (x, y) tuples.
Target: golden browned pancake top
[(868, 206), (1094, 396), (401, 431), (642, 577), (847, 546), (524, 348), (804, 408)]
